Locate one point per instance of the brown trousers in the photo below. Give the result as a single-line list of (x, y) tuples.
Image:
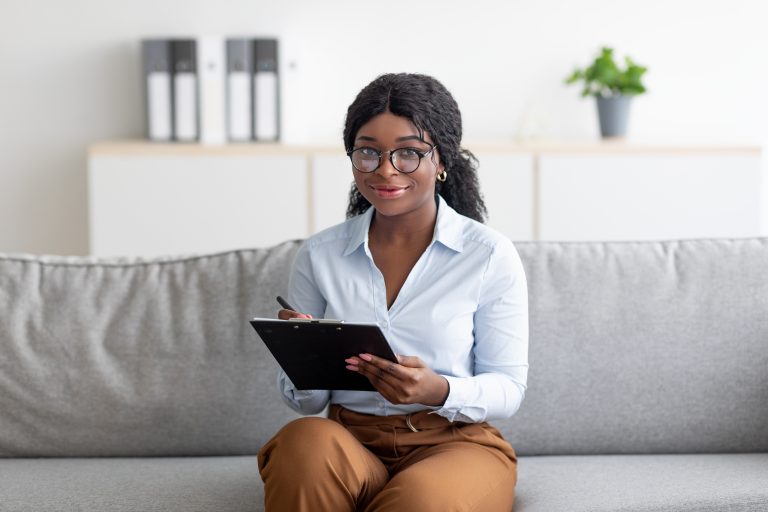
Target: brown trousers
[(361, 462)]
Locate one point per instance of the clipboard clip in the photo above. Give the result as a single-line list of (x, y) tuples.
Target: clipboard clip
[(316, 320)]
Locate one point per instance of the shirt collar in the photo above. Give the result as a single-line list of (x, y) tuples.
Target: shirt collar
[(448, 228), (358, 231)]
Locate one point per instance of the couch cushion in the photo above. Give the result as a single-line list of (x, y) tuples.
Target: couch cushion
[(625, 483), (139, 357), (545, 484), (645, 347), (161, 484)]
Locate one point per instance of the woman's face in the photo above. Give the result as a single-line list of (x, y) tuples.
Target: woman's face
[(391, 192)]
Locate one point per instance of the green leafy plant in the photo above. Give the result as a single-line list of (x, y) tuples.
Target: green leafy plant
[(604, 78)]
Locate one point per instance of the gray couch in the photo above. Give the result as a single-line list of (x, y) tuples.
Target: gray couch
[(138, 385)]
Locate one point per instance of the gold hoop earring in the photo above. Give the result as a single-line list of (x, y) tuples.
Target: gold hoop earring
[(442, 176)]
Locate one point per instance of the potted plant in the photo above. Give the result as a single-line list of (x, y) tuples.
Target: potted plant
[(613, 88)]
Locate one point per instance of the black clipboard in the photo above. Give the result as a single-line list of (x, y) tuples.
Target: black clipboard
[(312, 352)]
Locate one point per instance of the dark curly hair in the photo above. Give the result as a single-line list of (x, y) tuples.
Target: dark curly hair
[(428, 104)]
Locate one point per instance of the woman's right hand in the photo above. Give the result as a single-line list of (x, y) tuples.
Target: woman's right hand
[(287, 314)]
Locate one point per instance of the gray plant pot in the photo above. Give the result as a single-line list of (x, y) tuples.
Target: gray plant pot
[(613, 112)]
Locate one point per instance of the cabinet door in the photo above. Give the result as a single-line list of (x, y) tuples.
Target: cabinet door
[(149, 205), (649, 196), (507, 185), (331, 178)]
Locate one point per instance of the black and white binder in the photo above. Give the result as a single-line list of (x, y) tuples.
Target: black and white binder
[(239, 90), (211, 70), (185, 89), (157, 59), (266, 105)]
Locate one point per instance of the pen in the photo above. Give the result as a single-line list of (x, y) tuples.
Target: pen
[(306, 318), (284, 303)]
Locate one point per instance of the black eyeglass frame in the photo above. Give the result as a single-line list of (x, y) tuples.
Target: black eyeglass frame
[(421, 154)]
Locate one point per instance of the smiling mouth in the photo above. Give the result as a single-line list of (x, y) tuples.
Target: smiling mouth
[(386, 192)]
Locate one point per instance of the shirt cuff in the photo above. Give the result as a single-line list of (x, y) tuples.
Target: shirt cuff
[(289, 390), (458, 392)]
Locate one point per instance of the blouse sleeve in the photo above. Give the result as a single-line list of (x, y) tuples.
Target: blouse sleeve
[(304, 295), (498, 384)]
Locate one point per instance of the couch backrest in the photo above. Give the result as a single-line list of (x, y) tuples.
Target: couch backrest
[(139, 358), (635, 348), (643, 347)]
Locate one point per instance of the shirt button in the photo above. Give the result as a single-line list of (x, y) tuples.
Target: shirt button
[(381, 405)]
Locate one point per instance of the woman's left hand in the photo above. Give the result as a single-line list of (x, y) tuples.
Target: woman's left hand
[(409, 381)]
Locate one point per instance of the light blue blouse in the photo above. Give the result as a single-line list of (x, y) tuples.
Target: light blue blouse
[(463, 310)]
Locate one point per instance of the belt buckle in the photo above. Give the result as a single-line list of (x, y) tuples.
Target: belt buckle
[(410, 425)]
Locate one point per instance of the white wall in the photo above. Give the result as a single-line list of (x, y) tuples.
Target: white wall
[(70, 75)]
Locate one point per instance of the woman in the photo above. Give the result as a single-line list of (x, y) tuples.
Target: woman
[(449, 294)]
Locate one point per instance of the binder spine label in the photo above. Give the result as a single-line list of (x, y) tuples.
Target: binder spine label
[(159, 106), (265, 117), (185, 93), (185, 89), (239, 89), (157, 63), (266, 103)]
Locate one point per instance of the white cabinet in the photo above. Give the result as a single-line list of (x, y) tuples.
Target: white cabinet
[(153, 199), (146, 204), (331, 179), (507, 185), (649, 195)]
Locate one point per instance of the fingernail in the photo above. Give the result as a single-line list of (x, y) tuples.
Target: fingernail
[(351, 361), (350, 367), (366, 357)]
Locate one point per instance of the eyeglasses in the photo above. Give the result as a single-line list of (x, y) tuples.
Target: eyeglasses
[(405, 160)]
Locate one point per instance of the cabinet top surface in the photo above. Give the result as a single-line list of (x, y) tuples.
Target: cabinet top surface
[(145, 147)]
